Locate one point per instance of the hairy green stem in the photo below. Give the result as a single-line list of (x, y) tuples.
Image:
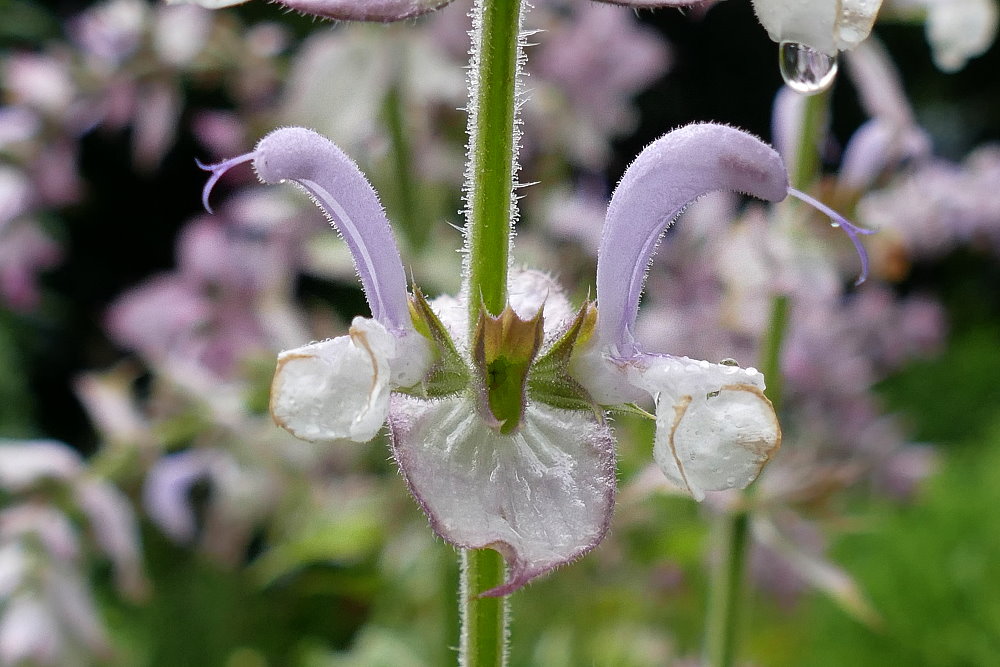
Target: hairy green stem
[(492, 159), (490, 214), (484, 620)]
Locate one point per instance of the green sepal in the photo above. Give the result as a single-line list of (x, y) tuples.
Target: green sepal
[(629, 409), (503, 349), (550, 381), (449, 373)]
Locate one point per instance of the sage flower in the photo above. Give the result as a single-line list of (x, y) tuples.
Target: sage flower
[(499, 426)]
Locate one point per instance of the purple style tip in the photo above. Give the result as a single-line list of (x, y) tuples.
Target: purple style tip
[(217, 170), (852, 230)]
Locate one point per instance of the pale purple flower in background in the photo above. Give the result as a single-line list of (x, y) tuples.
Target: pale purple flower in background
[(26, 463), (957, 30), (110, 32), (936, 207), (47, 612), (41, 82), (598, 58), (227, 301), (238, 497), (25, 252), (577, 215), (166, 493)]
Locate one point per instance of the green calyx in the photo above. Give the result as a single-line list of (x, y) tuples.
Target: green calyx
[(503, 349), (550, 381), (507, 368), (449, 373), (506, 356)]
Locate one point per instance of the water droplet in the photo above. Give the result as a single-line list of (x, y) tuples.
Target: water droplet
[(805, 69), (730, 482), (729, 362), (712, 394), (835, 224)]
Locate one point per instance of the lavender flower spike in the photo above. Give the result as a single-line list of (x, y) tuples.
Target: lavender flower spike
[(715, 429), (339, 388)]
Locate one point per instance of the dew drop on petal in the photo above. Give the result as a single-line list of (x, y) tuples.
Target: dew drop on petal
[(805, 69)]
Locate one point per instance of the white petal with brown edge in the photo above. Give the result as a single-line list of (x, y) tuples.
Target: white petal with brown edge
[(336, 389), (541, 496), (715, 429)]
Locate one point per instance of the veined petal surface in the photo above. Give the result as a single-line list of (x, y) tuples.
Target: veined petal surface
[(541, 496), (715, 429), (336, 389)]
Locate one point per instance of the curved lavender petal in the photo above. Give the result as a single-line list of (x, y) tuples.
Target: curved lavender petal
[(365, 10), (849, 228), (541, 496), (877, 146), (339, 188), (668, 175)]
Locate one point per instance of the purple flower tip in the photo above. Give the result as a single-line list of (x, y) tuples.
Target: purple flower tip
[(217, 170), (837, 220)]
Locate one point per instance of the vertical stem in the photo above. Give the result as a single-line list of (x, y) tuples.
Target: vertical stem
[(723, 622), (770, 349), (491, 160), (402, 163), (726, 597), (484, 620), (727, 592), (490, 214), (807, 157)]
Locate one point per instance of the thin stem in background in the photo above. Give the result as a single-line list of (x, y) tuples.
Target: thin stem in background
[(807, 156), (726, 596), (402, 165)]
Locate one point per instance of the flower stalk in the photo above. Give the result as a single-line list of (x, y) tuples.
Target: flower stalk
[(492, 159), (491, 211), (484, 619)]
